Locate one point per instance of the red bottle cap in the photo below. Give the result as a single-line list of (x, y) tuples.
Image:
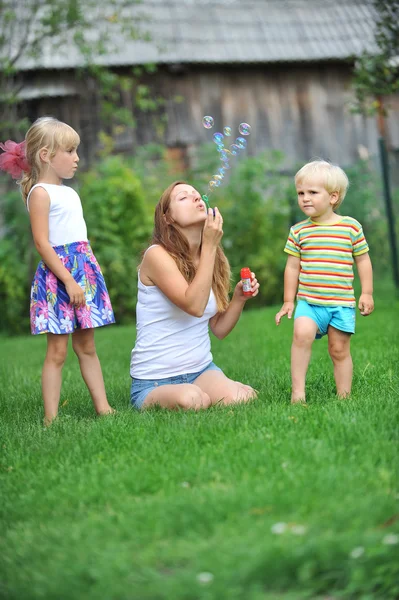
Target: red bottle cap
[(245, 273)]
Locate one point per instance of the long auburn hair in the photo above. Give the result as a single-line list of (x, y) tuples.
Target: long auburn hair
[(175, 243)]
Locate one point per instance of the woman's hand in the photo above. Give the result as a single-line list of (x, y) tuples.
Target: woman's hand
[(238, 291), (213, 229), (75, 293)]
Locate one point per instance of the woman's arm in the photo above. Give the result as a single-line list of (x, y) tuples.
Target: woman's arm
[(222, 323), (160, 268), (365, 270), (39, 207)]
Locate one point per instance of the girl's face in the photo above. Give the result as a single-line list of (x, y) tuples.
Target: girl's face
[(186, 206), (64, 163)]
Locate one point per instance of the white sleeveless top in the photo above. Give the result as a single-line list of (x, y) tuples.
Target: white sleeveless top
[(169, 341), (66, 221)]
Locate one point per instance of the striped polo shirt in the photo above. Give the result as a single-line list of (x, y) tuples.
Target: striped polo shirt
[(326, 253)]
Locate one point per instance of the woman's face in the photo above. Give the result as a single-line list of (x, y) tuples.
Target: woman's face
[(186, 206)]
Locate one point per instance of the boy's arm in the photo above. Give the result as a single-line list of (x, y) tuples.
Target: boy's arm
[(291, 276), (365, 270)]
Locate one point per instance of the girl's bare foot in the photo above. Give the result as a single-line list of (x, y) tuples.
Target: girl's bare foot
[(107, 411)]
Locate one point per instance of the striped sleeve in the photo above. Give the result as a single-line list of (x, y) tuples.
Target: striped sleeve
[(292, 246), (359, 243)]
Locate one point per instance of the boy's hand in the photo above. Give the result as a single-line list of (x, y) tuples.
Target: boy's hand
[(366, 304), (286, 309)]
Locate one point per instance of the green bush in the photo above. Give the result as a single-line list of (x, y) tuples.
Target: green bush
[(119, 195), (18, 259), (119, 225)]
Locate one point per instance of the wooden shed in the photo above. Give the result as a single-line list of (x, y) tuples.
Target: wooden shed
[(284, 66)]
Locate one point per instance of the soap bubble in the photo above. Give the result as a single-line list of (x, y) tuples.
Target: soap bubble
[(220, 147), (227, 131), (226, 164), (244, 129), (234, 149), (208, 122), (218, 138), (221, 171), (241, 142)]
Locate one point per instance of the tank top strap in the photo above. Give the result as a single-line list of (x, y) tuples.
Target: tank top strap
[(149, 248), (43, 185)]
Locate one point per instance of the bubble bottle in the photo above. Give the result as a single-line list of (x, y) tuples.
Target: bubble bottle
[(246, 281)]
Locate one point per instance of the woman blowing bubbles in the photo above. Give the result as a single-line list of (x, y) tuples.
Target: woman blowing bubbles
[(183, 286)]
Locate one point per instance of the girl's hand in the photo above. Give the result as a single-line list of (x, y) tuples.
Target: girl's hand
[(213, 229), (75, 293), (366, 304), (239, 294), (286, 309)]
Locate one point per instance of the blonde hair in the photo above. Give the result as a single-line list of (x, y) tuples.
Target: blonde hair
[(49, 133), (334, 178), (175, 243)]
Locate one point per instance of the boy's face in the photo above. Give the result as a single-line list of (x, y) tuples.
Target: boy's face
[(314, 200)]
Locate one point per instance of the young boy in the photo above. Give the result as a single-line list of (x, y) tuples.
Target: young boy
[(321, 250)]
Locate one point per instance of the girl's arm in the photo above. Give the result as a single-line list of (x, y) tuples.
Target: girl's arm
[(39, 208), (365, 270), (291, 277), (160, 268), (222, 323)]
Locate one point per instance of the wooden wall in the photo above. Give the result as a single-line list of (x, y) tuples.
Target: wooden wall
[(302, 110)]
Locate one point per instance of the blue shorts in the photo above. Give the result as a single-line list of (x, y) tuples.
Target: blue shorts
[(142, 387), (340, 317)]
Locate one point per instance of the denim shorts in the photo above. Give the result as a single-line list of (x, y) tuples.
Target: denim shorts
[(142, 387), (340, 317)]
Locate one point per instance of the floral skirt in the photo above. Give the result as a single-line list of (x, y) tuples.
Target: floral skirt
[(50, 308)]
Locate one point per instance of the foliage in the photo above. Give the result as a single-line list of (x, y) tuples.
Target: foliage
[(364, 202), (119, 195), (119, 226), (30, 30), (17, 256), (273, 501), (376, 73), (256, 216)]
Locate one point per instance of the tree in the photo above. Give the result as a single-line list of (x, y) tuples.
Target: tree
[(31, 30), (376, 77)]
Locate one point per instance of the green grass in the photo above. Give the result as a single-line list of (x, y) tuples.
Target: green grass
[(137, 506)]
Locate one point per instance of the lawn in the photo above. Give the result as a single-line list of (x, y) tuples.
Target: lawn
[(260, 502)]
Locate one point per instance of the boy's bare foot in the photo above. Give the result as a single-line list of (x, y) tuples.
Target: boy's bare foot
[(298, 400)]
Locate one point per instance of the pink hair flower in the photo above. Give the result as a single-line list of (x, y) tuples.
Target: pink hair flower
[(13, 160)]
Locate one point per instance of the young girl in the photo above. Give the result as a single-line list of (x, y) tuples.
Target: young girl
[(68, 293), (183, 286)]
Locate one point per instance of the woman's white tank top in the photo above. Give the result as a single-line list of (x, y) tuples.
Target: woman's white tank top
[(169, 341), (66, 221)]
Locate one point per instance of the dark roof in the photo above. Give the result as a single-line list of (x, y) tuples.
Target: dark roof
[(234, 31)]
